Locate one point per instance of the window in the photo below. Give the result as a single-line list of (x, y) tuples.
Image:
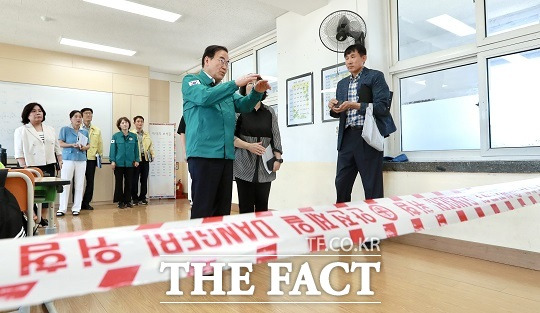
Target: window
[(472, 93), (259, 56), (503, 15), (423, 29), (439, 110), (267, 61), (242, 67), (513, 100), (267, 67)]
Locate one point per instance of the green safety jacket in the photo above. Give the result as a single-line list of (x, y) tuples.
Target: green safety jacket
[(209, 113), (124, 149)]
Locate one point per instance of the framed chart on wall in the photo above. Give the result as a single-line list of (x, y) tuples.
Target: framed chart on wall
[(300, 100), (330, 76)]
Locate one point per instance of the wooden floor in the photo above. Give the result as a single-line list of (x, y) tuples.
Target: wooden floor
[(411, 279)]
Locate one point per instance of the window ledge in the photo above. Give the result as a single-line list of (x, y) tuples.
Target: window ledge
[(465, 167)]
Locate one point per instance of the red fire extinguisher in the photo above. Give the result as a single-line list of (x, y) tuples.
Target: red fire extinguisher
[(180, 190)]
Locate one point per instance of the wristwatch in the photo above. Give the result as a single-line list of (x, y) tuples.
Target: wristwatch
[(279, 160)]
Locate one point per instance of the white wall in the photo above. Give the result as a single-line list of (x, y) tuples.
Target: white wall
[(519, 229), (307, 175)]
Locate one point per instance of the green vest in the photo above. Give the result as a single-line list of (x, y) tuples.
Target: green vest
[(210, 116), (124, 149)]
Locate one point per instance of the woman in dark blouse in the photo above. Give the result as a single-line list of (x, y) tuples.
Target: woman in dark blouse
[(255, 131)]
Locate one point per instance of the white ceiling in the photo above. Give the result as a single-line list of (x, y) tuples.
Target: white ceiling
[(165, 47)]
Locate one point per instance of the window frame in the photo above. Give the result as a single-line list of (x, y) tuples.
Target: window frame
[(272, 98), (483, 95), (484, 48), (251, 48), (236, 59)]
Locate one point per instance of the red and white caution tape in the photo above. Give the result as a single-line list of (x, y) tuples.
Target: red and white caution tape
[(40, 269)]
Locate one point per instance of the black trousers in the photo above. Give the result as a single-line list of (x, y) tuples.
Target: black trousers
[(89, 175), (252, 197), (211, 186), (122, 184), (356, 156), (140, 173), (50, 171)]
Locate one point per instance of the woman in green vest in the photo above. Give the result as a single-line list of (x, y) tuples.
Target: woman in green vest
[(124, 156)]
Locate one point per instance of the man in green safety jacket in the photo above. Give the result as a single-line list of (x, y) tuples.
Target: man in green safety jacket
[(209, 113)]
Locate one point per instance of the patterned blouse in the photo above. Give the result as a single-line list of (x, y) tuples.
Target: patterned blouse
[(256, 126)]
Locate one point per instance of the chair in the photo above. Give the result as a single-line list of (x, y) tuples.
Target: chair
[(21, 184), (36, 171), (40, 193)]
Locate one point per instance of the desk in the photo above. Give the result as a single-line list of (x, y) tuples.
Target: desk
[(45, 191)]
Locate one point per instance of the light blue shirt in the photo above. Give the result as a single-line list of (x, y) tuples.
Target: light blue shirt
[(70, 135)]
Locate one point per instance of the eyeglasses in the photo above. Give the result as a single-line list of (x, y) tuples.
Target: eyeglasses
[(224, 63)]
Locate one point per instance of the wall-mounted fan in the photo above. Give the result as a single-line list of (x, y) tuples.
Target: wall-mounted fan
[(341, 29)]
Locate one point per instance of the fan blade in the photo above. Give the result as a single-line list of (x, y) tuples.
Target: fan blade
[(343, 22), (342, 30), (359, 36)]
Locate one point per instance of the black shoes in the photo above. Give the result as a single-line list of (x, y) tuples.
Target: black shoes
[(44, 222), (129, 205), (140, 202), (121, 205), (87, 207)]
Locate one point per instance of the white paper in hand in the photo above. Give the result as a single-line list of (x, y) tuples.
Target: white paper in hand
[(268, 155), (82, 140)]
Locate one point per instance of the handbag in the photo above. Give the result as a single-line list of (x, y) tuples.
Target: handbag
[(370, 132)]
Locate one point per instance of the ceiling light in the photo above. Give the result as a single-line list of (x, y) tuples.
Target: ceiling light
[(93, 46), (136, 8), (452, 25)]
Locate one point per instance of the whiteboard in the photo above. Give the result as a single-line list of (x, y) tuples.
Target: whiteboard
[(162, 176), (57, 102)]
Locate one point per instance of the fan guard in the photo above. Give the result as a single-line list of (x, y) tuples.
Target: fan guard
[(341, 29)]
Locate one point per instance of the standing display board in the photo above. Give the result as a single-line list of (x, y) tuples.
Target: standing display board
[(162, 176)]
